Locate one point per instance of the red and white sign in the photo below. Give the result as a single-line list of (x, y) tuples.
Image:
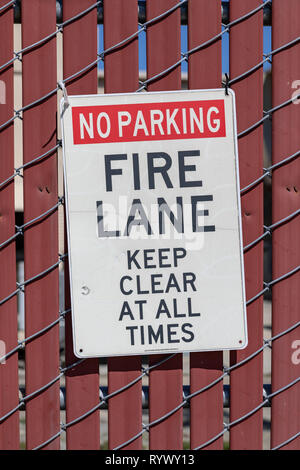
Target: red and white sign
[(148, 121), (154, 226)]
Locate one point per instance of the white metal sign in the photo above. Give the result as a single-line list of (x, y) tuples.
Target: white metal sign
[(154, 227)]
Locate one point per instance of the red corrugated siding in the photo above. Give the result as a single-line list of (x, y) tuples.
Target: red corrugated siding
[(205, 71), (82, 381), (40, 239), (246, 381), (286, 247), (9, 397), (121, 72), (165, 381)]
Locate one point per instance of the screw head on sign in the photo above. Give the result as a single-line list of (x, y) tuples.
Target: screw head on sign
[(85, 290)]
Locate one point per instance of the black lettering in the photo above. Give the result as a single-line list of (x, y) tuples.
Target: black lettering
[(176, 314), (136, 171), (109, 171), (165, 209), (142, 334), (189, 278), (161, 257), (162, 308), (148, 258), (126, 310), (156, 336), (172, 333), (190, 333), (155, 283), (131, 329), (124, 292), (190, 313), (163, 170), (131, 258), (178, 254), (172, 282), (138, 286), (200, 212), (183, 168), (140, 303)]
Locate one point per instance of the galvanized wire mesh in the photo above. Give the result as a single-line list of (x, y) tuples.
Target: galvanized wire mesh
[(267, 396)]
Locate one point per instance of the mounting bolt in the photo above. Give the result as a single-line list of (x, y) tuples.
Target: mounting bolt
[(85, 290)]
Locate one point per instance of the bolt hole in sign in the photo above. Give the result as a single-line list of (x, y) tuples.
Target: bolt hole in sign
[(154, 224)]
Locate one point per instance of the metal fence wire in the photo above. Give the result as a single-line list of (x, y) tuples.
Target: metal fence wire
[(58, 385)]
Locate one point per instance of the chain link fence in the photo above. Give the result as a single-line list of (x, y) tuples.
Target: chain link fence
[(135, 383)]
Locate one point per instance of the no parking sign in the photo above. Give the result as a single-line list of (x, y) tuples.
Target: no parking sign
[(154, 227)]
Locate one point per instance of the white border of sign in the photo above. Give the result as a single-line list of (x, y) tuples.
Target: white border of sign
[(63, 106)]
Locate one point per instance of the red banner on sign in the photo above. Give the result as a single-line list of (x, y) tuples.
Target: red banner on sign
[(148, 121)]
